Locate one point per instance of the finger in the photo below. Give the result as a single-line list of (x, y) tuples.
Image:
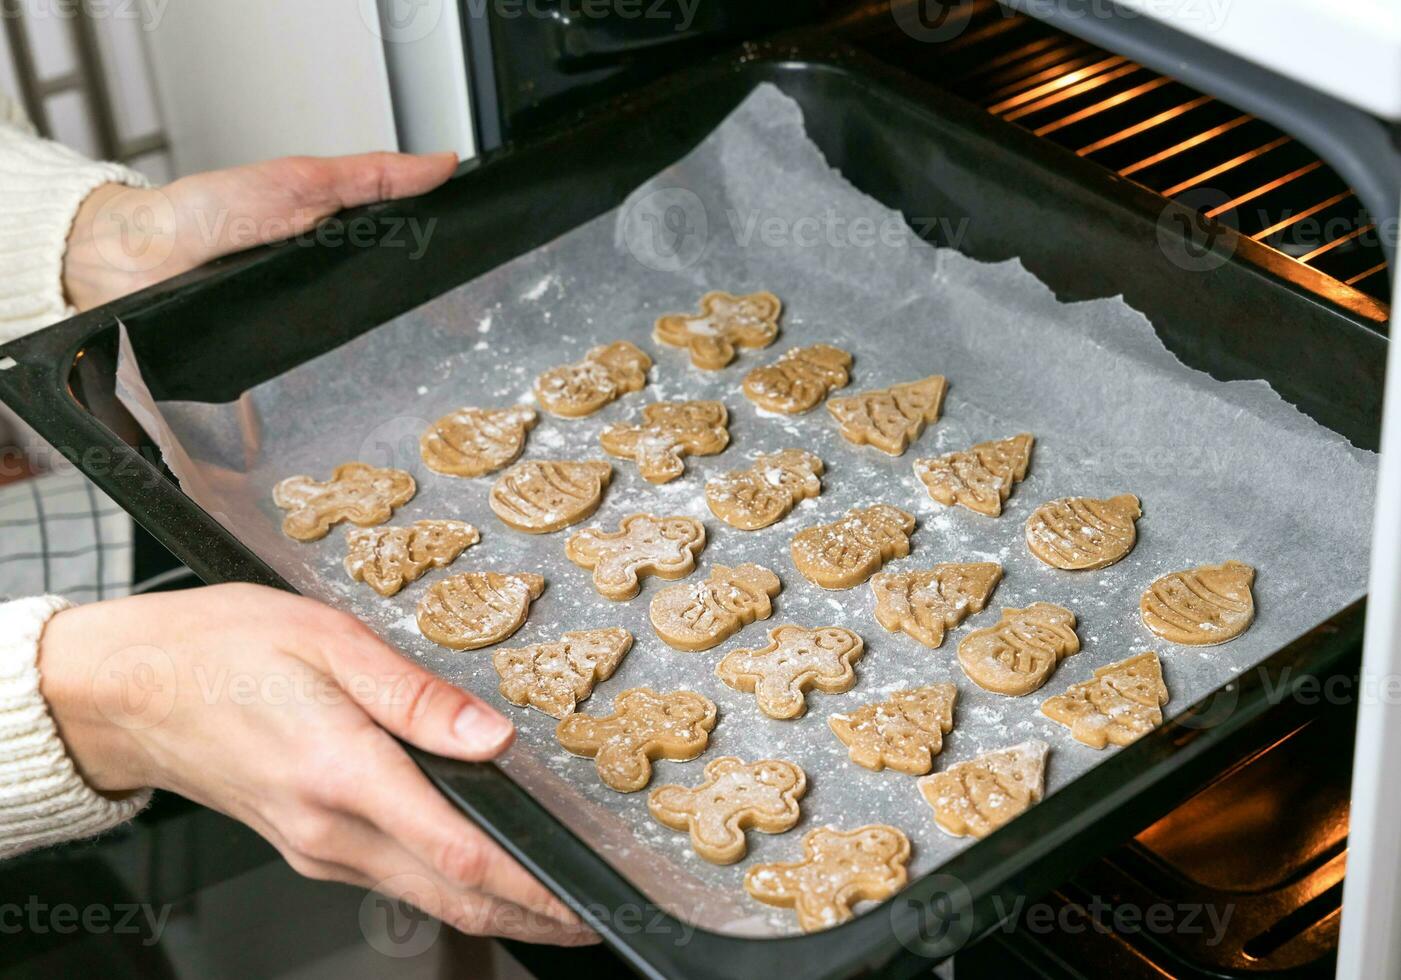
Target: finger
[(370, 177)]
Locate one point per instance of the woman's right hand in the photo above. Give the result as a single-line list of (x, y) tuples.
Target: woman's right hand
[(277, 710)]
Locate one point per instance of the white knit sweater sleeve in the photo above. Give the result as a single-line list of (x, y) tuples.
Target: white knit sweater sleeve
[(43, 800), (41, 185)]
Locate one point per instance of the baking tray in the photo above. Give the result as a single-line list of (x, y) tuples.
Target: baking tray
[(216, 332)]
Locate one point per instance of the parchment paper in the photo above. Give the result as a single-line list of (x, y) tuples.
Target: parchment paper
[(1225, 470)]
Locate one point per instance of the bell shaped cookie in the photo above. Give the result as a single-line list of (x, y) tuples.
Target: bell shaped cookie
[(699, 615), (1077, 533), (668, 432), (574, 391), (980, 478), (793, 662), (903, 732), (553, 677), (848, 551), (643, 726), (923, 603), (356, 492), (724, 323), (733, 797), (839, 868), (476, 441), (1201, 606), (765, 493), (644, 544), (890, 418), (799, 380), (1016, 656), (1120, 705), (388, 558), (476, 609), (974, 798), (539, 496)]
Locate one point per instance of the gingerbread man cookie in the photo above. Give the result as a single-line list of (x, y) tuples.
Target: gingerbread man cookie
[(669, 431), (733, 798), (926, 602), (1121, 704), (553, 677), (904, 732), (539, 496), (799, 380), (1077, 533), (356, 492), (848, 551), (644, 726), (388, 558), (573, 391), (643, 545), (794, 661), (477, 609), (1201, 606), (766, 492), (974, 798), (890, 418), (979, 478), (698, 616), (838, 869), (724, 323), (1016, 656), (476, 441)]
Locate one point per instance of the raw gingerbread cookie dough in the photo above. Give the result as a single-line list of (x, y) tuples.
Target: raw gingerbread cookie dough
[(979, 478), (643, 545), (476, 441), (733, 797), (794, 661), (925, 602), (539, 496), (903, 732), (1201, 606), (476, 609), (573, 391), (356, 492), (553, 677), (839, 868), (697, 616), (890, 418), (1120, 705), (1016, 656), (848, 551), (724, 323), (1077, 533), (643, 726), (974, 798), (388, 558), (669, 431), (766, 492), (799, 380)]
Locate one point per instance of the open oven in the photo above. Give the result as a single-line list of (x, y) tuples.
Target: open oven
[(1109, 152)]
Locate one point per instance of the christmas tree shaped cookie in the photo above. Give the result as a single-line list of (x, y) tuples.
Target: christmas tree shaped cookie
[(794, 661), (847, 551), (388, 558), (974, 798), (926, 602), (979, 478), (890, 418), (700, 615), (477, 609), (554, 676), (643, 545), (476, 441), (539, 496), (1120, 705), (1078, 533), (1016, 656), (669, 431), (1202, 606), (356, 492), (576, 390), (904, 732), (724, 323), (764, 493), (733, 798), (838, 869), (799, 380), (643, 726)]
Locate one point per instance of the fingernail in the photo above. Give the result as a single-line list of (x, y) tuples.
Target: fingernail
[(483, 729)]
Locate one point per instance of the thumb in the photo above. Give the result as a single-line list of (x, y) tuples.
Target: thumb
[(370, 177)]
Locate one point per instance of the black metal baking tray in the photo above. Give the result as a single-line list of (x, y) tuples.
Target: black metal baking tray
[(215, 332)]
